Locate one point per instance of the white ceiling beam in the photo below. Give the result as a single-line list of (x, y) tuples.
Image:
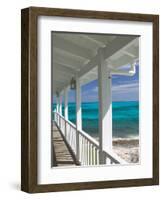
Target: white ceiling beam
[(122, 61), (58, 80), (100, 38), (92, 39), (129, 54), (67, 62), (116, 45), (64, 68), (85, 40), (90, 65), (133, 51), (61, 79), (63, 74), (74, 49), (104, 38)]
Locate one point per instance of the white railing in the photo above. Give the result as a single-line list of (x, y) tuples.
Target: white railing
[(88, 147)]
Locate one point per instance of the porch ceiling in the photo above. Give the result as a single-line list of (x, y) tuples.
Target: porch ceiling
[(76, 54)]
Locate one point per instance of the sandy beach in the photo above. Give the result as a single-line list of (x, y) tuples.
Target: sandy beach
[(127, 149)]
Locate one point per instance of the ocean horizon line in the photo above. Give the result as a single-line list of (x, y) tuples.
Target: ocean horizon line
[(98, 101)]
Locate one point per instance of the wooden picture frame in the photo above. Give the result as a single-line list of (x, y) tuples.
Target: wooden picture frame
[(29, 87)]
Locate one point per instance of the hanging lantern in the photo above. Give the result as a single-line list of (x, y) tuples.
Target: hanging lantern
[(57, 93), (73, 84)]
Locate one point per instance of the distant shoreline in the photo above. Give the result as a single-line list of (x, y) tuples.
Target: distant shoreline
[(126, 142)]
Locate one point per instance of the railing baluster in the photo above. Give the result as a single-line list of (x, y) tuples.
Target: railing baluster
[(72, 133), (95, 160), (85, 147), (65, 128), (93, 156), (61, 124), (87, 152), (98, 156), (96, 152), (74, 142), (71, 136), (80, 146), (81, 150), (84, 150), (74, 139), (68, 133), (58, 119), (90, 154)]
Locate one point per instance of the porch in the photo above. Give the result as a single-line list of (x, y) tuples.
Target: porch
[(72, 68)]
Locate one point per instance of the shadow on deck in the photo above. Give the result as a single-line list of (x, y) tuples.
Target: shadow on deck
[(62, 154)]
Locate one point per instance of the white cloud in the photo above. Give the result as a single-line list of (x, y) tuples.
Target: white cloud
[(126, 87), (118, 88), (95, 89)]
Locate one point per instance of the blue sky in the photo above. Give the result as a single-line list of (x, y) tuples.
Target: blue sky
[(124, 88)]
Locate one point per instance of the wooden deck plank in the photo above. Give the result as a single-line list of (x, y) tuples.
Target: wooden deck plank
[(62, 156)]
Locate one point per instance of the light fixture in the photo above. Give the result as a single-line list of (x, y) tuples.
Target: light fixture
[(57, 93), (73, 84)]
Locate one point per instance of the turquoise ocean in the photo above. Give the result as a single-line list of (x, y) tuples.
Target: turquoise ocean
[(125, 117)]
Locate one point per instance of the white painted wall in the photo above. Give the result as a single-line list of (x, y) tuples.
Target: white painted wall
[(10, 98)]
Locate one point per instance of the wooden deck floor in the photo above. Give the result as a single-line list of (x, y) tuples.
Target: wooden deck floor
[(62, 153)]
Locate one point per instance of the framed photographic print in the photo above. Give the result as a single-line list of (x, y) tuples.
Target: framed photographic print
[(90, 99)]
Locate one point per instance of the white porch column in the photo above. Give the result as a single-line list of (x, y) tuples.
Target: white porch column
[(105, 107), (66, 103), (78, 115)]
